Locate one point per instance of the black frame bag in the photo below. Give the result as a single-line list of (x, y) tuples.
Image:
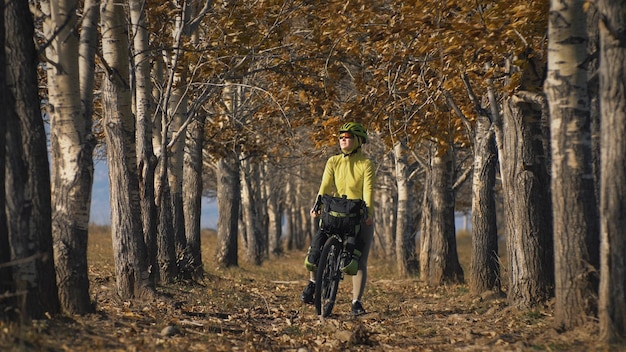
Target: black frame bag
[(341, 215)]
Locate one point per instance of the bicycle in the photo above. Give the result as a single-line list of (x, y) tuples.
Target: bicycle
[(334, 254)]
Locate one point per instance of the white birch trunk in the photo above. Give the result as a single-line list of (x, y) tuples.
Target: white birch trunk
[(70, 87), (387, 210), (119, 127), (405, 242), (144, 110)]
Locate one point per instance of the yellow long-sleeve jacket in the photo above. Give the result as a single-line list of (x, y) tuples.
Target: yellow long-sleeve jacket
[(353, 175)]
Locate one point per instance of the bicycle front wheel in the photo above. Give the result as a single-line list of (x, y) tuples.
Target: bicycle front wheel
[(328, 277)]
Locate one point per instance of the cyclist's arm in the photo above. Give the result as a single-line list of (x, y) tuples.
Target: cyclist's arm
[(326, 187), (369, 179), (328, 179)]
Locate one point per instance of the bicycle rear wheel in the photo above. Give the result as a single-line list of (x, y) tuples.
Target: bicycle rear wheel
[(328, 277)]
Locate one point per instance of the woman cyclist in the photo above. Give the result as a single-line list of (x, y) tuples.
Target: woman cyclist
[(352, 174)]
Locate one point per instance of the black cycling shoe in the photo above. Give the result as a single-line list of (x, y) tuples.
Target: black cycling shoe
[(357, 308), (308, 292)]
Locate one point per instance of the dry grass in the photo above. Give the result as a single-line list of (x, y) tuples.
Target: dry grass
[(257, 308)]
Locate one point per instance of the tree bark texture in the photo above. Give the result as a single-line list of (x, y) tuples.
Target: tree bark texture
[(5, 249), (119, 126), (249, 197), (228, 200), (612, 300), (485, 262), (386, 211), (166, 241), (593, 86), (28, 203), (87, 59), (527, 204), (177, 112), (573, 195), (70, 92), (439, 261), (192, 192), (146, 169), (167, 271), (273, 188), (405, 242)]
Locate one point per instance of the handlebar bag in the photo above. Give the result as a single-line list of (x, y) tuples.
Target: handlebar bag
[(341, 215)]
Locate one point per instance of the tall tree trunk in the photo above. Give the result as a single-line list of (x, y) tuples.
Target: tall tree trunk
[(70, 87), (290, 213), (612, 300), (527, 204), (249, 197), (144, 111), (178, 111), (167, 271), (405, 242), (262, 208), (193, 187), (5, 249), (192, 191), (28, 204), (573, 195), (484, 266), (386, 211), (228, 194), (274, 226), (87, 62), (593, 85), (439, 261), (301, 212), (119, 127), (187, 23)]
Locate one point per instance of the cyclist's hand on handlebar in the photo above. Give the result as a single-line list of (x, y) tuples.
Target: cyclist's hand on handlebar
[(315, 211), (369, 221)]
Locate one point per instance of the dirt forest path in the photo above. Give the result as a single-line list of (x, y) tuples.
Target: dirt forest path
[(258, 309)]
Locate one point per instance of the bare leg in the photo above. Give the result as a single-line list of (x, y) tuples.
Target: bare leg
[(364, 242)]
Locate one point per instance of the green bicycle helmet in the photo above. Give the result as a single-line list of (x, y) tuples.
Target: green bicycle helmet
[(356, 129)]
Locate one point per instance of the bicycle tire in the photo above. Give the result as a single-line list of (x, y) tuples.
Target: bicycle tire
[(328, 276)]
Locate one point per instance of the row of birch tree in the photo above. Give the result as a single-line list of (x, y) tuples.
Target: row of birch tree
[(517, 103)]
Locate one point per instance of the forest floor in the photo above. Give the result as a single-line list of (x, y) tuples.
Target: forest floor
[(258, 308)]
